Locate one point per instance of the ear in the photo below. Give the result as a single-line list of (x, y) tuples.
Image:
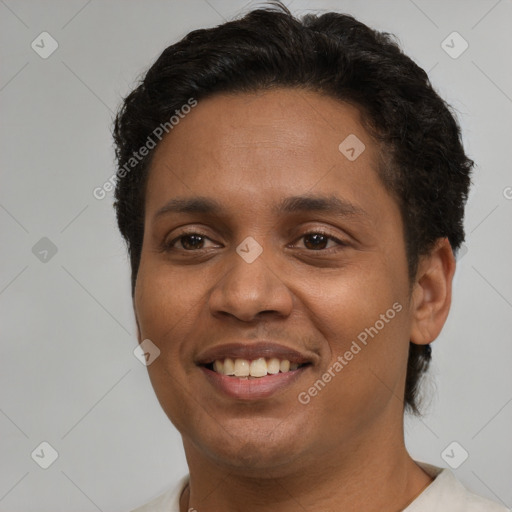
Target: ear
[(432, 293)]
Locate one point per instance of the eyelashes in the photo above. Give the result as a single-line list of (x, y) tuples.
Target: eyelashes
[(324, 235), (196, 237)]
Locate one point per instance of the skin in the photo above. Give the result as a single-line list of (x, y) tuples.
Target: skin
[(344, 450)]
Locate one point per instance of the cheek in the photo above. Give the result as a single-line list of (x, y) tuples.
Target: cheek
[(345, 302), (363, 316), (165, 300), (165, 306)]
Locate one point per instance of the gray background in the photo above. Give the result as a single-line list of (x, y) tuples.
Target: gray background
[(68, 374)]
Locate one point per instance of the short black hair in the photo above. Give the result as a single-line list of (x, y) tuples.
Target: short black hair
[(423, 163)]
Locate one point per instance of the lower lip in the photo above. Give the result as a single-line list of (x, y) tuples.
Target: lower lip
[(252, 389)]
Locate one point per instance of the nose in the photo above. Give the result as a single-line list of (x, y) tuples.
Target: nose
[(246, 290)]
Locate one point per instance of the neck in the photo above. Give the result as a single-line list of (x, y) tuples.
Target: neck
[(374, 473)]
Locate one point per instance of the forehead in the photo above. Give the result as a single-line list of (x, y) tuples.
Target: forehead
[(282, 119), (263, 145)]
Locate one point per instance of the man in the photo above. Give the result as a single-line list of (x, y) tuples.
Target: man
[(292, 193)]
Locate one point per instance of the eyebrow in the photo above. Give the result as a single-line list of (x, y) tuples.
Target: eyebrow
[(318, 203), (294, 204)]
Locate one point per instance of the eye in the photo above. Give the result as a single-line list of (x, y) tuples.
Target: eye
[(188, 241), (194, 241), (317, 240)]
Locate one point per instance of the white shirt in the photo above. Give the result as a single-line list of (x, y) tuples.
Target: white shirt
[(444, 494)]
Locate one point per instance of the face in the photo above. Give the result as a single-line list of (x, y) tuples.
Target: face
[(295, 252)]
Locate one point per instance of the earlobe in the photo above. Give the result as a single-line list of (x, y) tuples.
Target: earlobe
[(432, 293)]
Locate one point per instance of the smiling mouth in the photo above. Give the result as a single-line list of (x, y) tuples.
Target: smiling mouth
[(253, 369)]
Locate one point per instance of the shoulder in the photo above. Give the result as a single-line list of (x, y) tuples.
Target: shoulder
[(169, 501), (476, 503), (447, 494)]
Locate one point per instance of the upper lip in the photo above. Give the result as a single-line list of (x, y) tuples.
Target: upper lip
[(254, 350)]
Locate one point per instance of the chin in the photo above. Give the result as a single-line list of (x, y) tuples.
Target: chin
[(252, 445)]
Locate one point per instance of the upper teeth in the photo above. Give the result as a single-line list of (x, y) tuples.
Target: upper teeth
[(255, 368)]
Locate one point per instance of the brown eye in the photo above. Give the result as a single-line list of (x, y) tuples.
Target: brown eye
[(187, 242), (322, 242), (190, 242), (315, 241)]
